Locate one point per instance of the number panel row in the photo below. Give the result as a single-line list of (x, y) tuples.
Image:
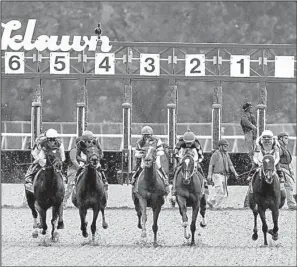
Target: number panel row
[(149, 64)]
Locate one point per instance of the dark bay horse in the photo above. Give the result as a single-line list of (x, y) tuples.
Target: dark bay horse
[(266, 195), (149, 191), (190, 193), (89, 192), (48, 192)]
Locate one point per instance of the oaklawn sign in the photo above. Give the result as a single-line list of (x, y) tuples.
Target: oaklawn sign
[(17, 42)]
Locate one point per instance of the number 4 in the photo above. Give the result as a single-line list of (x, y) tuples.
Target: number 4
[(104, 63)]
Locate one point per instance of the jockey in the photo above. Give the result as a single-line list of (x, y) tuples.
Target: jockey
[(85, 141), (191, 142), (44, 142), (267, 144), (147, 135)]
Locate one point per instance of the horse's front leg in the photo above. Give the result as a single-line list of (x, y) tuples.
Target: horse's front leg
[(93, 225), (60, 221), (195, 210), (156, 212), (42, 215), (264, 224), (203, 210), (104, 223), (183, 212), (143, 205), (274, 231), (255, 230), (55, 215), (83, 223)]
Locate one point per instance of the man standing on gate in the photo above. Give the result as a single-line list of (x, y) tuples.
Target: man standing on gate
[(285, 163), (249, 128)]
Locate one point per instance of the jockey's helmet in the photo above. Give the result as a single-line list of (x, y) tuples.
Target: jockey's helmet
[(267, 136), (51, 133), (189, 137), (147, 130), (246, 106), (223, 142), (87, 135), (282, 134)]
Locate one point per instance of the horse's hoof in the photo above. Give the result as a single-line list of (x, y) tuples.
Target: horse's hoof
[(105, 225), (202, 225), (274, 235), (255, 236), (35, 234), (85, 234), (143, 234), (192, 243), (60, 225), (55, 237), (43, 232), (187, 236), (139, 226), (155, 245)]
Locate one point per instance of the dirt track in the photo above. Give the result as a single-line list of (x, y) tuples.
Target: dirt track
[(225, 241)]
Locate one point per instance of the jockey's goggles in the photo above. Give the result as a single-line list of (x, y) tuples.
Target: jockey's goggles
[(51, 139), (267, 137)]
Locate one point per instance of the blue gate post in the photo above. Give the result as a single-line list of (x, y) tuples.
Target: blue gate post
[(81, 111), (127, 148), (36, 114), (216, 115), (261, 109), (171, 120)]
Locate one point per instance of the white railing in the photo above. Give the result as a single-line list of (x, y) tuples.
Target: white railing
[(204, 139)]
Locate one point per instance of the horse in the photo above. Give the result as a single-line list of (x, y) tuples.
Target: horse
[(89, 192), (266, 195), (149, 191), (48, 192), (189, 189)]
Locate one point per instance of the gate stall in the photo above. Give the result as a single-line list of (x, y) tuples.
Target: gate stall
[(215, 63)]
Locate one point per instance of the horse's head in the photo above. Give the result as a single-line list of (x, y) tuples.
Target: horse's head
[(54, 159), (93, 156), (187, 168), (268, 168), (150, 156)]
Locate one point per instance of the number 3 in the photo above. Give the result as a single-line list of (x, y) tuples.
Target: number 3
[(150, 64)]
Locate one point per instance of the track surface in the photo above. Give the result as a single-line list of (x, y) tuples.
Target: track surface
[(226, 241)]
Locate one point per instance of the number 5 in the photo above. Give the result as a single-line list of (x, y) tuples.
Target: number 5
[(59, 63)]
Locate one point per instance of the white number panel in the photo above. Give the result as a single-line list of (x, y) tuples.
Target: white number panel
[(284, 67), (195, 65), (14, 62), (104, 63), (59, 63), (240, 66), (150, 64)]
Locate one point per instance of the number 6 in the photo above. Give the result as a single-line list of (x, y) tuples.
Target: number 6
[(14, 62)]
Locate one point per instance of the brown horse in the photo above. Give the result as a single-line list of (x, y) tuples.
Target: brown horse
[(266, 195), (149, 191), (48, 192), (189, 190), (90, 193)]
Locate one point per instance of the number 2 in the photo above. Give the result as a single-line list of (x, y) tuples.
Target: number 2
[(193, 70)]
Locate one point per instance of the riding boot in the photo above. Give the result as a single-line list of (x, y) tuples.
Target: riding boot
[(33, 169), (77, 174), (104, 180), (166, 180), (135, 176)]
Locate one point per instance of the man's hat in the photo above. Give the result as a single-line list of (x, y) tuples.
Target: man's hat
[(223, 142), (247, 105), (282, 134)]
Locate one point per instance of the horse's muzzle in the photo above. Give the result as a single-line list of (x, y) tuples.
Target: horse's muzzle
[(58, 166), (269, 174), (94, 160)]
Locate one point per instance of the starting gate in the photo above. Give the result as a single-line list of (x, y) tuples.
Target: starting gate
[(130, 61)]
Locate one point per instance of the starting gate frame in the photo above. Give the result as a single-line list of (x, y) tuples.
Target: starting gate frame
[(172, 53)]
